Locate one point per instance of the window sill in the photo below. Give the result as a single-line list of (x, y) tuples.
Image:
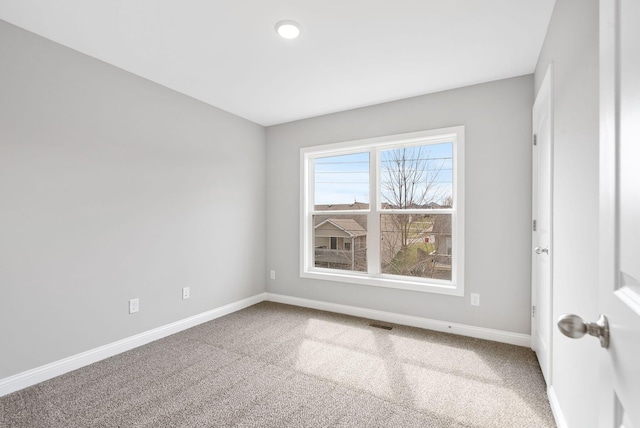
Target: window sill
[(387, 281)]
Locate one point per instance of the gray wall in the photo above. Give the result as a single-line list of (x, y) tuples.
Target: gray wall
[(497, 117), (112, 187), (572, 46)]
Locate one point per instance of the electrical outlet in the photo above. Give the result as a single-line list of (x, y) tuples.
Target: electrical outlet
[(475, 299), (273, 274), (186, 293), (134, 306)]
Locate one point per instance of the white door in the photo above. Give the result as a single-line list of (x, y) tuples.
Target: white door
[(620, 211), (541, 318)]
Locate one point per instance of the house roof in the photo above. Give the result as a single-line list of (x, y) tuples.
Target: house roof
[(348, 225)]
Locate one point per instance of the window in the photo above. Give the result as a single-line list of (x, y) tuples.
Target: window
[(386, 211)]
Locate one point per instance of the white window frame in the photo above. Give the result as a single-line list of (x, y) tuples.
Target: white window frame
[(374, 277)]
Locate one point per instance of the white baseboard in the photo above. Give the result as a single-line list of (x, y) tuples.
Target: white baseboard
[(461, 329), (57, 368), (555, 408)]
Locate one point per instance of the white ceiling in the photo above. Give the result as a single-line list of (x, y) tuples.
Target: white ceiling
[(351, 53)]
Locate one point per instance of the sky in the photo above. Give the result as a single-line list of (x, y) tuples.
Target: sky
[(344, 179)]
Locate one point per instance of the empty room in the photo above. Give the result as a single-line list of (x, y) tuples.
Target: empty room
[(320, 214)]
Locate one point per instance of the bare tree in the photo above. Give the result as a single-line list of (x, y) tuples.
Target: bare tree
[(409, 180)]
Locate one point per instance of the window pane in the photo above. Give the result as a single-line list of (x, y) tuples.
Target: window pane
[(416, 245), (340, 242), (417, 177), (342, 182)]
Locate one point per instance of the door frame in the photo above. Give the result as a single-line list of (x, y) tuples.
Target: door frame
[(545, 91)]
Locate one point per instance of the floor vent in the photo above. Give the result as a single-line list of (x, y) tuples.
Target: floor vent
[(384, 327)]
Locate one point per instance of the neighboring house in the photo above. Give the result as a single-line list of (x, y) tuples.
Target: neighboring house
[(442, 232), (340, 243), (437, 263)]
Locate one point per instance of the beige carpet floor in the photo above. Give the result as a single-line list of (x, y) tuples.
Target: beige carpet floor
[(274, 365)]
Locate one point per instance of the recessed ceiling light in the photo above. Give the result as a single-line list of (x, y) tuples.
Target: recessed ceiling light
[(288, 29)]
